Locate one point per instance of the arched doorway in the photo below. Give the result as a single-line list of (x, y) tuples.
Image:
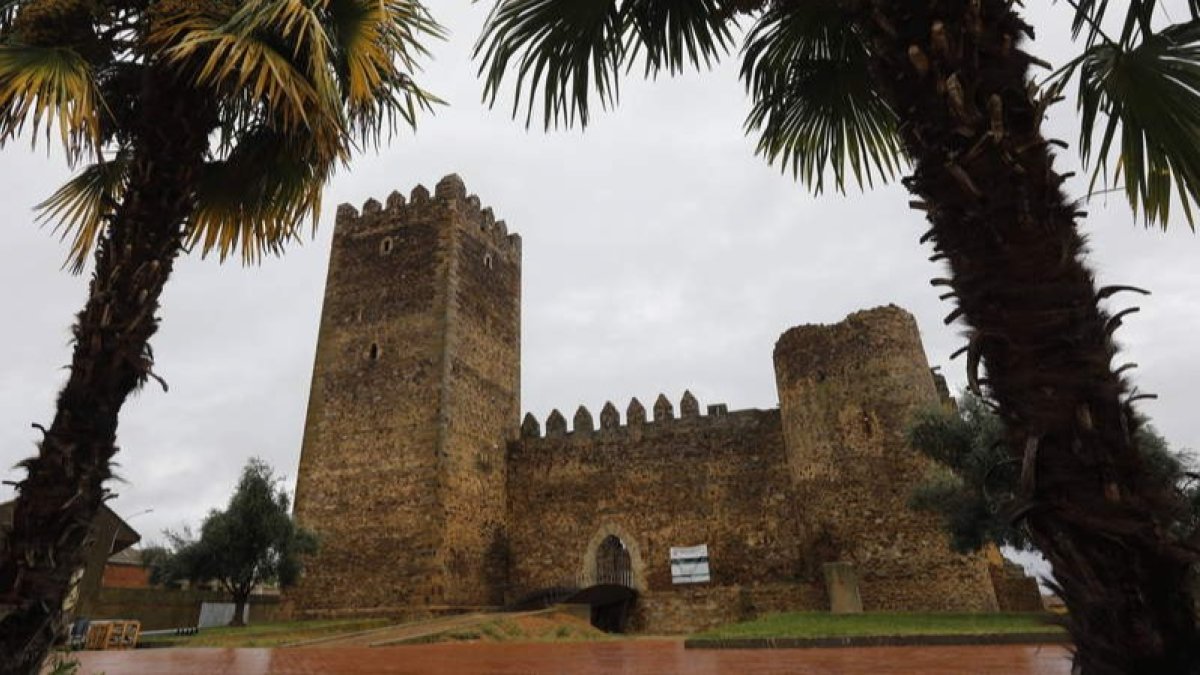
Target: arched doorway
[(613, 564), (612, 590)]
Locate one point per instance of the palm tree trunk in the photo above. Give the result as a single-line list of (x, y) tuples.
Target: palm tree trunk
[(954, 74), (64, 486)]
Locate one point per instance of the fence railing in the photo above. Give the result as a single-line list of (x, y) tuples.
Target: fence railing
[(619, 577)]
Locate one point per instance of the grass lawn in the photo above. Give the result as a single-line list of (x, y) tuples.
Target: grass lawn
[(265, 634), (824, 624)]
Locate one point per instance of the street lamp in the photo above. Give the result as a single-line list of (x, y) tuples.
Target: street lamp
[(140, 513), (117, 531)]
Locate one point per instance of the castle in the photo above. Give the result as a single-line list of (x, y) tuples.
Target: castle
[(430, 494)]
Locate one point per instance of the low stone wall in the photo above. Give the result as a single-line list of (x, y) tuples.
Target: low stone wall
[(945, 585), (696, 608), (161, 608), (1018, 595)]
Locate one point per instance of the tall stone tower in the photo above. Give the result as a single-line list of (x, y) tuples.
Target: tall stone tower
[(415, 392), (847, 393)]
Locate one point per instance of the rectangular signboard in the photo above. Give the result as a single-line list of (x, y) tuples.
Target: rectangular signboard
[(689, 564)]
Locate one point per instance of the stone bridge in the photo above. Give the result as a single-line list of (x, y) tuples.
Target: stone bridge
[(606, 585)]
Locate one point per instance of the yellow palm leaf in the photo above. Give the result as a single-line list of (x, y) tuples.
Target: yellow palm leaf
[(256, 199), (294, 84), (82, 206), (295, 23), (377, 44), (45, 86), (240, 63)]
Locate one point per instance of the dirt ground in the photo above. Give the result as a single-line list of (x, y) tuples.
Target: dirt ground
[(628, 657)]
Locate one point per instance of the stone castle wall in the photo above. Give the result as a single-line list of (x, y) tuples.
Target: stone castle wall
[(481, 407), (717, 479), (427, 495), (408, 405), (847, 393), (775, 494)]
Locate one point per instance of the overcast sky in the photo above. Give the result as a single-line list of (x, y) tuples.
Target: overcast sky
[(659, 255)]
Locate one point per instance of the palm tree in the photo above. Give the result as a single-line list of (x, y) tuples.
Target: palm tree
[(206, 124), (863, 88)]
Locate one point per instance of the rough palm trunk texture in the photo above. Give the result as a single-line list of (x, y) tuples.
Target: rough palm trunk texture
[(415, 390), (955, 75), (846, 394), (64, 487)]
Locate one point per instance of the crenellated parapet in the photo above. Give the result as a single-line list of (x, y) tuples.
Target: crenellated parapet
[(609, 417), (635, 413), (530, 428), (584, 425), (556, 424), (449, 197), (663, 410), (583, 421)]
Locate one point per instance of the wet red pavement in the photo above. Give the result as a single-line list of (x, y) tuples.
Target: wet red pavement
[(628, 657)]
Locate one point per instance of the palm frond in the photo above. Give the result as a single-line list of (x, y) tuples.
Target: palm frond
[(249, 69), (299, 83), (255, 200), (80, 208), (814, 103), (48, 86), (289, 25), (1148, 95), (569, 50), (1090, 17), (674, 34), (563, 47), (377, 45)]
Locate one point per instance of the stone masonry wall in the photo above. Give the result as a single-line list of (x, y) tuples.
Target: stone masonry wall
[(390, 444), (717, 479), (481, 410), (426, 499), (847, 392), (693, 609)]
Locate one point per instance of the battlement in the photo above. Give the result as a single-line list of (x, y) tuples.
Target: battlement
[(583, 424), (450, 197)]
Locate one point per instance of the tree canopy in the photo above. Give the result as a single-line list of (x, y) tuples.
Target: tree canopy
[(815, 103), (973, 485), (289, 90), (252, 541)]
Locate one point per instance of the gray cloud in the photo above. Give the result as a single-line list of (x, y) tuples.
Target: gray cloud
[(660, 254)]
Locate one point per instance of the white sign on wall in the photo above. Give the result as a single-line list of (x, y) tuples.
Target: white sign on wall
[(689, 564)]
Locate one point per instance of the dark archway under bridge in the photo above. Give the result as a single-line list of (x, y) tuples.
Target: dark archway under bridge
[(611, 605), (606, 587)]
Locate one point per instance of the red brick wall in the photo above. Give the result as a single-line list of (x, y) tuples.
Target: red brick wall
[(125, 576)]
